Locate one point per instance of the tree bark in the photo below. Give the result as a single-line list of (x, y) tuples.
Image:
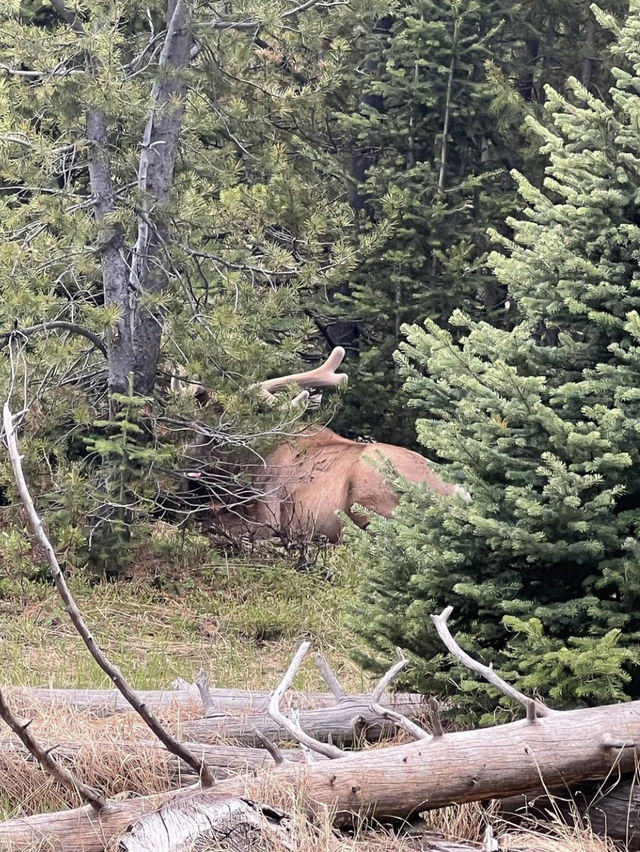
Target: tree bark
[(107, 702), (223, 760), (148, 278), (559, 749), (346, 722)]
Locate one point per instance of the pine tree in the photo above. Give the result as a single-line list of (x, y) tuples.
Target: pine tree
[(541, 423), (157, 208)]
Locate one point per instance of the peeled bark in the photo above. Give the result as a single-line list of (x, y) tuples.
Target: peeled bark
[(557, 750), (224, 823)]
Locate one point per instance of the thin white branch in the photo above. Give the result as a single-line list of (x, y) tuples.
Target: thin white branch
[(329, 677), (385, 712), (289, 725), (486, 672), (171, 743)]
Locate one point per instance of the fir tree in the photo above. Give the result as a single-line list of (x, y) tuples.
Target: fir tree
[(541, 423)]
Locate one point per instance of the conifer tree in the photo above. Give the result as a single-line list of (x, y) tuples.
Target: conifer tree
[(542, 424), (156, 209)]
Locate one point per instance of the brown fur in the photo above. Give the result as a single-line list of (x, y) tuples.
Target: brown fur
[(311, 477)]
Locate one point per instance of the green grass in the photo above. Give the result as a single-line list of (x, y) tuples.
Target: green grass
[(240, 621)]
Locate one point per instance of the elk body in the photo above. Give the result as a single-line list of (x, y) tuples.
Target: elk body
[(306, 482)]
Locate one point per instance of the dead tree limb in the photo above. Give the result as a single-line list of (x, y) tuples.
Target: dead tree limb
[(78, 621), (533, 708), (400, 719), (44, 756), (559, 749), (289, 725), (107, 702), (322, 723), (224, 822)]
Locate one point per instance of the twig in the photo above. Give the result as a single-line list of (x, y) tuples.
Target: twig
[(386, 713), (73, 327), (62, 775), (272, 748), (486, 672), (288, 724), (172, 744), (329, 677)]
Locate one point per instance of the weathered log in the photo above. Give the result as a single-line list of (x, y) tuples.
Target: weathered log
[(611, 808), (107, 702), (223, 760), (349, 721), (559, 749), (226, 823)]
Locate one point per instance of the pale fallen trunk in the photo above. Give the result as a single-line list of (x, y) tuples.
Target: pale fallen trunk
[(557, 750), (349, 721), (107, 702)]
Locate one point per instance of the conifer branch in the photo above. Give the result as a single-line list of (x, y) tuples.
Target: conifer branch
[(63, 325)]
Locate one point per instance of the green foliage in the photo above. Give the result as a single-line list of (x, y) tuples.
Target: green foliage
[(256, 224), (541, 423)]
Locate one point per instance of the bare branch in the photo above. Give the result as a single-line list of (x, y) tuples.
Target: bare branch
[(72, 327), (278, 716), (62, 775), (329, 677), (486, 672), (385, 713), (172, 744), (272, 748)]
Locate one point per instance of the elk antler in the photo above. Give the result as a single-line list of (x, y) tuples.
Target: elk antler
[(323, 376)]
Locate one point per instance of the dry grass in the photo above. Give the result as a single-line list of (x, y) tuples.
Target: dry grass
[(242, 624)]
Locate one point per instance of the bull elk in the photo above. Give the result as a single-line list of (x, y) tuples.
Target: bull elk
[(304, 483)]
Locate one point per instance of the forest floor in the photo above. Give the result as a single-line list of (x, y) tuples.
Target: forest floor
[(185, 609)]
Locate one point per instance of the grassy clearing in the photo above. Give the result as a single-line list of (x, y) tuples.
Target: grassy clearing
[(240, 622), (186, 607)]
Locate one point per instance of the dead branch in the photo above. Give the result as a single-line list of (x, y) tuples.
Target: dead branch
[(75, 615), (62, 325), (44, 757), (329, 677), (288, 724), (224, 822), (486, 672), (400, 719)]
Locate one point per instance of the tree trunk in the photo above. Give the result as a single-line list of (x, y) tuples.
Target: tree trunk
[(222, 823), (347, 721), (558, 749), (107, 702)]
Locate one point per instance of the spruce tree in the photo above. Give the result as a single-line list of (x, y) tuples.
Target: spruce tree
[(541, 424)]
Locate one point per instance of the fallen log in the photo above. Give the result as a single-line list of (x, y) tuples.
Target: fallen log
[(107, 702), (225, 823), (349, 721), (559, 749), (223, 760), (611, 808)]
